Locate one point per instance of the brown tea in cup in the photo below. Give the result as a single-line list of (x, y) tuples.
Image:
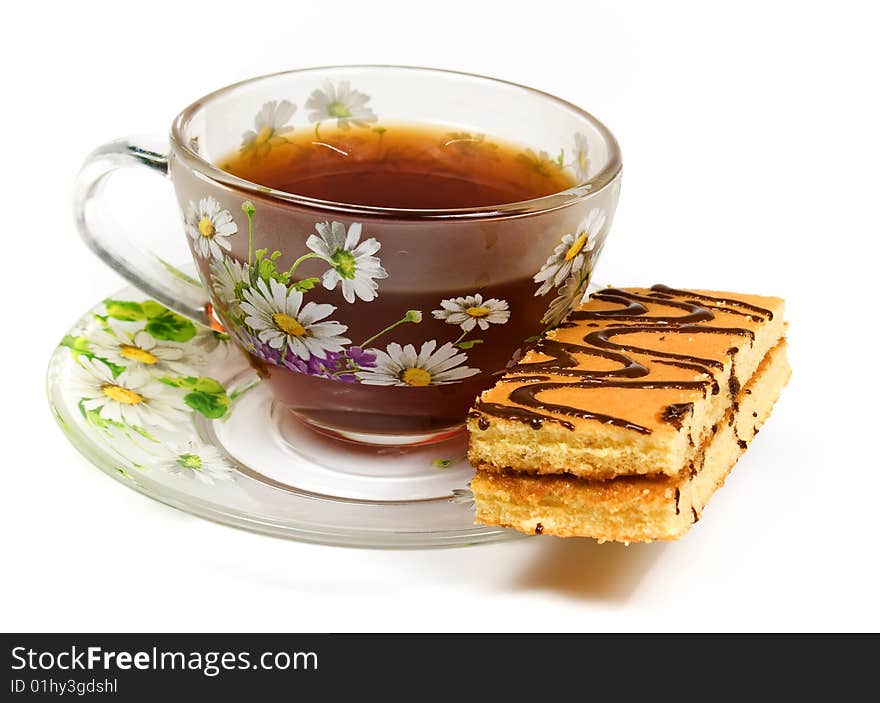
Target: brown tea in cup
[(419, 166)]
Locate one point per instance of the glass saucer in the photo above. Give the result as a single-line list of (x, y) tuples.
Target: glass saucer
[(175, 412)]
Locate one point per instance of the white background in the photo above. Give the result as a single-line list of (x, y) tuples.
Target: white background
[(751, 152)]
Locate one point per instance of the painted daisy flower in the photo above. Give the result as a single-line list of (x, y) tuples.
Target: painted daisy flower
[(209, 226), (403, 366), (540, 162), (571, 253), (201, 462), (270, 123), (581, 158), (230, 277), (569, 295), (280, 320), (132, 398), (472, 310), (341, 103), (143, 351), (352, 264)]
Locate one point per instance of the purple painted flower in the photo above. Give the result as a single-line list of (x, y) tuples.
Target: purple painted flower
[(259, 349), (364, 359), (323, 367), (337, 366), (293, 362)]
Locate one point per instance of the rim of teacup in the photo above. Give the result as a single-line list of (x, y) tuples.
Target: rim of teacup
[(603, 179)]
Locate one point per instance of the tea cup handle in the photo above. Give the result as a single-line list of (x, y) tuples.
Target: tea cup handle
[(142, 268)]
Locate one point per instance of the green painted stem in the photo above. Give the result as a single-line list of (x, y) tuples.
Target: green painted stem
[(376, 336), (304, 257)]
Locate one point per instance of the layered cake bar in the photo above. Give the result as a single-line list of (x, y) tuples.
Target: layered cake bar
[(626, 419)]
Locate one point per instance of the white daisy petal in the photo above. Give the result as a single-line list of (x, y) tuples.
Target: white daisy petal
[(409, 357), (338, 233), (457, 374), (319, 245), (353, 237), (348, 291)]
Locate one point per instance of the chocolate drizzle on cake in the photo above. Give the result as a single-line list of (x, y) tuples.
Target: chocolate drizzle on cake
[(632, 311), (510, 412), (733, 383), (674, 414), (730, 305)]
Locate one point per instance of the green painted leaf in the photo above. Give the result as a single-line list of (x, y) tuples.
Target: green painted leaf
[(143, 433), (115, 369), (78, 344), (305, 284), (211, 405), (124, 310), (171, 326), (170, 381), (207, 396), (153, 309), (469, 344), (93, 417), (197, 383)]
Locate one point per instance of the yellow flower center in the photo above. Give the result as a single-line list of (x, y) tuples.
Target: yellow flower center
[(121, 395), (206, 227), (575, 248), (416, 377), (129, 351), (289, 325), (478, 312), (338, 109), (265, 135)]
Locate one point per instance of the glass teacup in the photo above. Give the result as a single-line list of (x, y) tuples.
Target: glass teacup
[(374, 324)]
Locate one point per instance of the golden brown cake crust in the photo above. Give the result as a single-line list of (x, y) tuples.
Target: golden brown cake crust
[(629, 384)]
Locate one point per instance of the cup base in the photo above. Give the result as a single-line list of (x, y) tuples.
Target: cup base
[(381, 440), (276, 447)]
